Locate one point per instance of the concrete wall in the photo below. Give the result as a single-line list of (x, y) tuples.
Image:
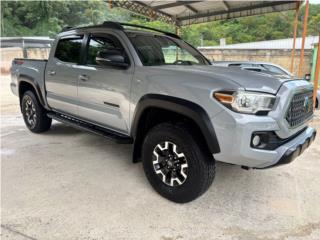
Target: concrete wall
[(280, 57), (8, 54)]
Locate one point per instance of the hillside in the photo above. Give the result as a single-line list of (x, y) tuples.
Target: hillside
[(43, 18)]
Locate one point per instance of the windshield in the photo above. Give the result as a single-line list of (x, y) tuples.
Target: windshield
[(155, 50)]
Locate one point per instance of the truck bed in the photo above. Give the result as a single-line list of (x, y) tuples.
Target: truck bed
[(32, 69)]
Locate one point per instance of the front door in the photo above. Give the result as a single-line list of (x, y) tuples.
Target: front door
[(103, 91), (62, 75)]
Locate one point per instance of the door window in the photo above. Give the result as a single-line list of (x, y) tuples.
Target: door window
[(106, 43), (69, 49)]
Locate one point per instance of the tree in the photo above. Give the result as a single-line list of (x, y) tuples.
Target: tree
[(47, 18)]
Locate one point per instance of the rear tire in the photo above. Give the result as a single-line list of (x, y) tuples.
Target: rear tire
[(193, 172), (34, 115)]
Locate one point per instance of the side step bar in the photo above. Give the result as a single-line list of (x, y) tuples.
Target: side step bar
[(76, 123)]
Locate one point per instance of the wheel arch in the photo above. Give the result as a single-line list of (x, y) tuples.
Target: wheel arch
[(26, 83), (175, 107)]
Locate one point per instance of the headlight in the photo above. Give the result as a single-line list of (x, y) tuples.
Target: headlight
[(246, 102)]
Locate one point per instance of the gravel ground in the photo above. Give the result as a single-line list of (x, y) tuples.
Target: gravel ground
[(67, 184)]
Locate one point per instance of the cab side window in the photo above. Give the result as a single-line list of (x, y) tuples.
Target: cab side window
[(99, 44), (69, 49)]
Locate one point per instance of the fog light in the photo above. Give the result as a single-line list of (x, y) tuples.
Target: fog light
[(256, 140)]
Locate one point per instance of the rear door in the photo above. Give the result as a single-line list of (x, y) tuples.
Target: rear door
[(103, 91), (62, 74)]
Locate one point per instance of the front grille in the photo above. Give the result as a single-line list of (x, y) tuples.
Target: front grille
[(300, 109)]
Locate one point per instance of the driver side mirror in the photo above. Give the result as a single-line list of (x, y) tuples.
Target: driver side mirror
[(112, 58)]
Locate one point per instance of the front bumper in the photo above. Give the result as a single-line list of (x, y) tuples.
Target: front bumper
[(296, 150), (234, 132)]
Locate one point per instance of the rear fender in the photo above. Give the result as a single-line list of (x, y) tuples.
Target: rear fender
[(27, 79)]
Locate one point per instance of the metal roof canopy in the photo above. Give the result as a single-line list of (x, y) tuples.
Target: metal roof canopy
[(182, 13), (284, 44)]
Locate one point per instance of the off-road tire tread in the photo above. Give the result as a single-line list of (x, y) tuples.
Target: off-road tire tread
[(201, 157), (43, 122)]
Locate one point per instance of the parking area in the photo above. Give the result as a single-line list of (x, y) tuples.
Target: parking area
[(67, 184)]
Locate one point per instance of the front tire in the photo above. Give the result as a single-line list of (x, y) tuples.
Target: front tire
[(34, 115), (175, 163)]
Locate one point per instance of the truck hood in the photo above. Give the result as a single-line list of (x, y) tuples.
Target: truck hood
[(252, 81)]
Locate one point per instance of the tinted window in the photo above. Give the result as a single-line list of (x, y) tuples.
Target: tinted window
[(103, 43), (68, 50), (162, 50), (274, 69)]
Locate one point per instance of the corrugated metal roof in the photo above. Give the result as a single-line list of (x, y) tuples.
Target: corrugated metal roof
[(183, 13), (271, 44)]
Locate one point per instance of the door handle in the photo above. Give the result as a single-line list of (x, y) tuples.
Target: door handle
[(51, 73), (83, 77)]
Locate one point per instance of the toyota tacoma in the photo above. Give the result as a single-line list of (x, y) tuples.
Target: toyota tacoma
[(146, 87)]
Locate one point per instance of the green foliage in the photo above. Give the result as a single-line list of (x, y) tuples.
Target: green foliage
[(314, 23), (46, 18)]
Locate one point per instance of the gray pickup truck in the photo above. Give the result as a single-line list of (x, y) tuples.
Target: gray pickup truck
[(151, 89)]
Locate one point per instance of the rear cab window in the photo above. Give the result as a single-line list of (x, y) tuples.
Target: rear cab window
[(69, 49)]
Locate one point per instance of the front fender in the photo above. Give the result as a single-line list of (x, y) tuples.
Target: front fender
[(180, 106)]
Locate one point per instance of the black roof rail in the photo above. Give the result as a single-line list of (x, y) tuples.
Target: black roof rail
[(150, 28), (119, 26), (108, 24)]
